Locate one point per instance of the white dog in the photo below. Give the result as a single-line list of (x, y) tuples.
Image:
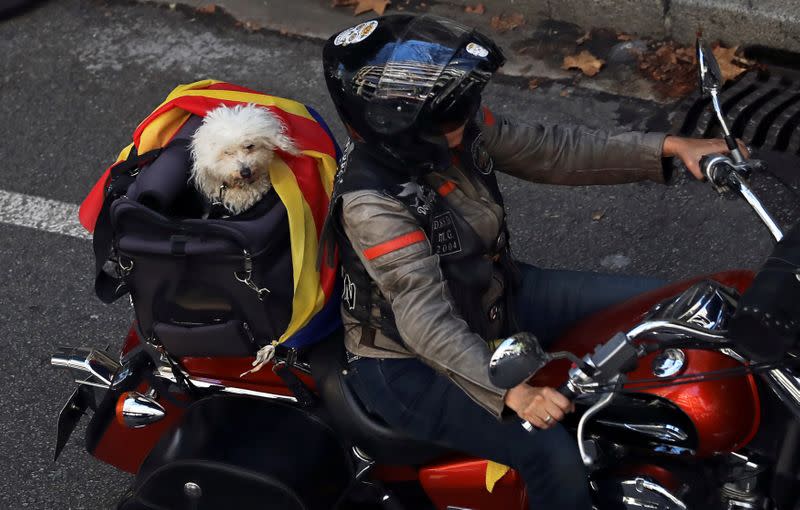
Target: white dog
[(231, 153)]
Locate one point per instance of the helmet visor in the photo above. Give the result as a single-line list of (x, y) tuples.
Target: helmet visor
[(430, 66)]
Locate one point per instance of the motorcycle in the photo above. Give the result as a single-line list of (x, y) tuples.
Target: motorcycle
[(670, 413)]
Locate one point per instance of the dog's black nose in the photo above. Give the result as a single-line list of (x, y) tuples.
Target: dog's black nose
[(245, 172)]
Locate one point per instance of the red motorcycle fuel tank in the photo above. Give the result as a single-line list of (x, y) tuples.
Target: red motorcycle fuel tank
[(725, 412)]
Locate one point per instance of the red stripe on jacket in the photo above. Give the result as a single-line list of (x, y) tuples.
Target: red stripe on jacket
[(395, 244)]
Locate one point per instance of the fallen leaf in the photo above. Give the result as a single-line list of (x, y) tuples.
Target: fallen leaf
[(533, 84), (508, 22), (207, 9), (378, 6), (582, 39), (672, 68), (624, 37), (598, 215), (730, 65), (475, 9), (585, 61), (564, 93)]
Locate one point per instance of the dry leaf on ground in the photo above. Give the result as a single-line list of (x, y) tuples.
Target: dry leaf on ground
[(585, 61), (624, 37), (582, 39), (533, 84), (564, 93), (207, 9), (475, 9), (379, 6), (730, 65), (672, 67), (598, 215), (507, 22)]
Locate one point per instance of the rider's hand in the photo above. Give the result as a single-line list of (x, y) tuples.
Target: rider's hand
[(690, 150), (535, 404)]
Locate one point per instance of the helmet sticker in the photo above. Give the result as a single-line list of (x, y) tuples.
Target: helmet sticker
[(477, 50), (355, 34)]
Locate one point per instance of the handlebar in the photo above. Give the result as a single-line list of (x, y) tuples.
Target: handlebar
[(727, 174), (620, 355)]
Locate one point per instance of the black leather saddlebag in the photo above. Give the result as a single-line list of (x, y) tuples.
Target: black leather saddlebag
[(767, 321), (237, 452)]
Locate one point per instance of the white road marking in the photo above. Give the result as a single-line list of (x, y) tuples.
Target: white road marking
[(41, 214)]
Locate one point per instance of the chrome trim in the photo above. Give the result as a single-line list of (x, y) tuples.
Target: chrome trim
[(596, 408), (673, 327), (669, 362), (733, 354), (90, 361), (664, 432), (364, 462), (192, 490), (707, 304), (139, 410), (641, 485), (166, 373), (88, 382), (788, 383), (710, 170)]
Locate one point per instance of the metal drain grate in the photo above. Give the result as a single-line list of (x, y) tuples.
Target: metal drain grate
[(762, 109)]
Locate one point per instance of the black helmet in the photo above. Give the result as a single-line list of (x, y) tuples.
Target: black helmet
[(399, 82)]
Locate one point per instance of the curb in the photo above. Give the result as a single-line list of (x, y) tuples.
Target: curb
[(535, 48)]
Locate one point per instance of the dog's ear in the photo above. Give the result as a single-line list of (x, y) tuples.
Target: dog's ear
[(283, 141)]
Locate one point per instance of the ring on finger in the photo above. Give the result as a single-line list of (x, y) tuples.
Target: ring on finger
[(548, 419)]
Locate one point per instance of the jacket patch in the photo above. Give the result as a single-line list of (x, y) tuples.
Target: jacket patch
[(423, 196), (349, 292), (444, 235)]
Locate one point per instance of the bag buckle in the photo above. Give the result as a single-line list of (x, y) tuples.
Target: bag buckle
[(246, 277)]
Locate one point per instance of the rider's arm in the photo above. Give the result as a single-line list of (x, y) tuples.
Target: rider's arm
[(398, 257), (562, 154)]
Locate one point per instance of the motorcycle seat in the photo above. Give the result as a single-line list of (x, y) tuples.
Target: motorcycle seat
[(351, 420)]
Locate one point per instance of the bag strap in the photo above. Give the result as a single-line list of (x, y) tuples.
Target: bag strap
[(108, 287)]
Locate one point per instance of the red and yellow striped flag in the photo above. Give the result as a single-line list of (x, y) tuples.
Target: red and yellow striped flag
[(304, 182)]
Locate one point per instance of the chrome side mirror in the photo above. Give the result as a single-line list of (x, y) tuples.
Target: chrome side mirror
[(516, 360), (708, 69), (710, 85)]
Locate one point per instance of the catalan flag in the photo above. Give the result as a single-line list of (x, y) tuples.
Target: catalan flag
[(304, 184)]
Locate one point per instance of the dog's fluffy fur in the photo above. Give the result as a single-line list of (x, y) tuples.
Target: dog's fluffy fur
[(231, 153)]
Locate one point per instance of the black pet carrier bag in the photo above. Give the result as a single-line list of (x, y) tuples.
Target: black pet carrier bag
[(199, 287)]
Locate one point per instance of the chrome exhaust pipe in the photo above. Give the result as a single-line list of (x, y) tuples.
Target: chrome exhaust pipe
[(89, 361), (135, 410)]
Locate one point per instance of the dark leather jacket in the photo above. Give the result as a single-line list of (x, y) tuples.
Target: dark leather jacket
[(398, 256)]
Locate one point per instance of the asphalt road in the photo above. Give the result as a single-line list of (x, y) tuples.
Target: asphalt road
[(76, 76)]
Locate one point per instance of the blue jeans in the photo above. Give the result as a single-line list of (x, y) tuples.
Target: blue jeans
[(413, 398)]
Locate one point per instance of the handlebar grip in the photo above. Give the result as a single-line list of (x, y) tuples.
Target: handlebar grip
[(704, 167), (565, 390)]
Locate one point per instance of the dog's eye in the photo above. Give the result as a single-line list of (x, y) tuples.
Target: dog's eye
[(250, 147)]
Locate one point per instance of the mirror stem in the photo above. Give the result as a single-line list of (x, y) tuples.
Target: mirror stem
[(718, 110), (730, 141)]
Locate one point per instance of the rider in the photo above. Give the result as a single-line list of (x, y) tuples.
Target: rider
[(421, 227)]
